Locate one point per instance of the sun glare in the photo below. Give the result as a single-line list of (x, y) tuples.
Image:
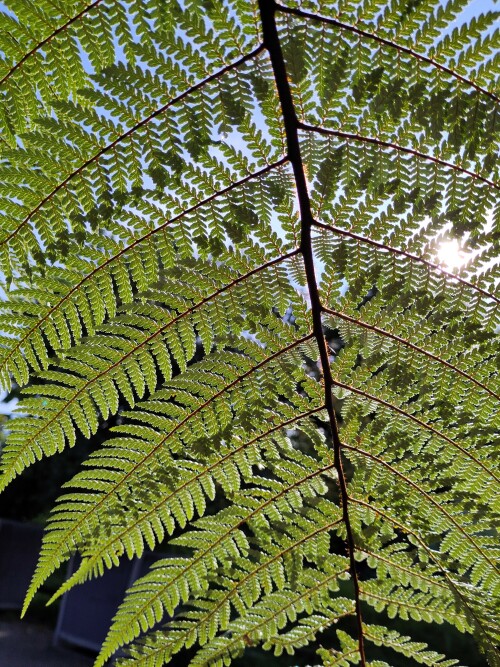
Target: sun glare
[(451, 255)]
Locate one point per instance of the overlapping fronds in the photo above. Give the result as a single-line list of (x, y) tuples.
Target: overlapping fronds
[(225, 225)]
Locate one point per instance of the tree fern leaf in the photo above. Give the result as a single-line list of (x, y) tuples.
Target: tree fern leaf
[(260, 622), (224, 227), (401, 644), (418, 56), (476, 613), (441, 508), (91, 292), (124, 615), (378, 400), (90, 161), (79, 525), (344, 316)]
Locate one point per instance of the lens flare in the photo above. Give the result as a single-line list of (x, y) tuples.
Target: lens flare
[(451, 255)]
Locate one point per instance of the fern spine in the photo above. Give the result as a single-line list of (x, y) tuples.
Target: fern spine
[(268, 9)]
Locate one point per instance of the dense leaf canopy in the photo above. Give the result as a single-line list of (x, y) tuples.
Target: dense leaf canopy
[(226, 221)]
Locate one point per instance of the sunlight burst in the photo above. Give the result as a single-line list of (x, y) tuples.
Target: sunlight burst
[(451, 255)]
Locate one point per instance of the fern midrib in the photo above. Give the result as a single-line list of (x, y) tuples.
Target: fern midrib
[(136, 242), (386, 42), (135, 348), (45, 41), (351, 136), (398, 566), (129, 132), (342, 657), (404, 253), (399, 603), (291, 123)]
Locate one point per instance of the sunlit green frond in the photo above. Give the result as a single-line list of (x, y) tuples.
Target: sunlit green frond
[(252, 248)]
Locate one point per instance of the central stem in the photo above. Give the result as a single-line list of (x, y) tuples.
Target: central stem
[(272, 43)]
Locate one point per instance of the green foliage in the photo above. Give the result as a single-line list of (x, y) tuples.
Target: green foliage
[(176, 242)]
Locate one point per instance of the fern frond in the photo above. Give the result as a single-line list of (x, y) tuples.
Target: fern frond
[(222, 542), (73, 209), (85, 290), (427, 30), (223, 226), (478, 613), (403, 149), (124, 358), (206, 411), (409, 344), (263, 622), (414, 259), (401, 644)]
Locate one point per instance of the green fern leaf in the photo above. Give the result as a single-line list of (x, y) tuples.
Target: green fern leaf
[(261, 239)]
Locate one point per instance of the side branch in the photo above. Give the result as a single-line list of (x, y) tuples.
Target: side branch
[(425, 494), (129, 132), (69, 534), (412, 346), (416, 420), (199, 558), (409, 255), (133, 350), (236, 639), (396, 147), (45, 41), (433, 557), (116, 538), (130, 247), (147, 457), (387, 42), (272, 43)]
